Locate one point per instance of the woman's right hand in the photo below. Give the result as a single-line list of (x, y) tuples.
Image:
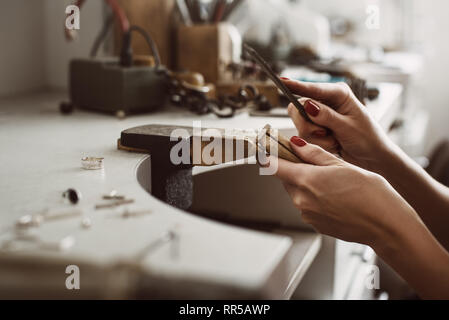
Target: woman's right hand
[(342, 123)]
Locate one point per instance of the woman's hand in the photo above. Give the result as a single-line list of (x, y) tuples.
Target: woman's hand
[(350, 203), (342, 200), (343, 124)]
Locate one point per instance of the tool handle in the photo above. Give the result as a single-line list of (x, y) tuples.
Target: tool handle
[(275, 143)]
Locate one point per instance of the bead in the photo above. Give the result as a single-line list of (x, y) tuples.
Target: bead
[(73, 195)]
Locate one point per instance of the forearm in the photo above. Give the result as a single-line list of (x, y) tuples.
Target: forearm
[(429, 198), (416, 255)]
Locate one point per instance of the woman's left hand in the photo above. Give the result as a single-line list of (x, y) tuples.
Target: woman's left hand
[(342, 200)]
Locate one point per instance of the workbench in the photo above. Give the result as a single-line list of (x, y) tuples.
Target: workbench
[(41, 158)]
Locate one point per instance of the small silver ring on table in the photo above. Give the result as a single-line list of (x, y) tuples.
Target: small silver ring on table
[(92, 163)]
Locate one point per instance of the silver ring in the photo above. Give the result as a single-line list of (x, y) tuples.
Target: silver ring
[(92, 163)]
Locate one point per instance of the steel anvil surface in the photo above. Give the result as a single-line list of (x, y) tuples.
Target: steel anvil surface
[(171, 182)]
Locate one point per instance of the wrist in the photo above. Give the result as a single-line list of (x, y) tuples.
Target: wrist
[(388, 159), (398, 236), (398, 227), (418, 258), (389, 243)]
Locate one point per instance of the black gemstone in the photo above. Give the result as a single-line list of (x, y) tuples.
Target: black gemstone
[(72, 195)]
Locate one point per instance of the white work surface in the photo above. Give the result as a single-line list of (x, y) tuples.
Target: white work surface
[(40, 158)]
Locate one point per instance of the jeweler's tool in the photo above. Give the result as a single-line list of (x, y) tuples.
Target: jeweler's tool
[(231, 8), (113, 204), (272, 75), (275, 142), (184, 12), (218, 10)]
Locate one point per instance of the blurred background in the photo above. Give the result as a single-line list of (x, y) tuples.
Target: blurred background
[(409, 38), (393, 53)]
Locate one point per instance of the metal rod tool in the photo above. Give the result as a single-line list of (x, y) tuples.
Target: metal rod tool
[(281, 86)]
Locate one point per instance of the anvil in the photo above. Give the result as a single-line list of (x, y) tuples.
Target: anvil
[(171, 181)]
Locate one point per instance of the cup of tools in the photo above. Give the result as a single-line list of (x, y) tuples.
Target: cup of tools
[(208, 49)]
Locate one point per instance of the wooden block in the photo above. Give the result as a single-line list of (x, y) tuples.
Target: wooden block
[(153, 134), (206, 49), (277, 143), (155, 16), (157, 137)]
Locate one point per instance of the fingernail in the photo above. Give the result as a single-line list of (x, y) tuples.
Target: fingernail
[(298, 141), (319, 133), (266, 163), (311, 108), (284, 78)]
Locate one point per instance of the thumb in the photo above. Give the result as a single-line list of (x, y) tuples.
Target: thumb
[(323, 115), (312, 154)]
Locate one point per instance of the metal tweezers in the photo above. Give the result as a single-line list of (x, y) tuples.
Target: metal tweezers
[(281, 86)]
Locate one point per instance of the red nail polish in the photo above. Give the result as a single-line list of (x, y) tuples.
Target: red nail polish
[(298, 141), (319, 133), (284, 78), (311, 108)]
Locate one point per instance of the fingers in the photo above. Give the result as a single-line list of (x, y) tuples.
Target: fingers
[(308, 217), (289, 172), (301, 124), (313, 133), (319, 222), (301, 200), (296, 173), (290, 188), (299, 196), (334, 94), (312, 154), (329, 143), (323, 115)]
